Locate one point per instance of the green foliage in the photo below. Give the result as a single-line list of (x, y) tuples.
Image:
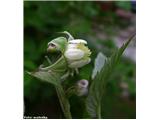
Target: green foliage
[(45, 76), (99, 63), (63, 101), (42, 21), (97, 87), (51, 73)]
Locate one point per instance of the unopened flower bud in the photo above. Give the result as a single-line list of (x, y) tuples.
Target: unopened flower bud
[(80, 63), (51, 48), (74, 54), (82, 87), (77, 53)]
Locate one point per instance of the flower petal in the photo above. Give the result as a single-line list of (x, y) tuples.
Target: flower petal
[(74, 54), (79, 63), (76, 41), (72, 46)]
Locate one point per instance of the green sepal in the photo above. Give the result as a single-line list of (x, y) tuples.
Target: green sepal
[(60, 43), (59, 66), (53, 72)]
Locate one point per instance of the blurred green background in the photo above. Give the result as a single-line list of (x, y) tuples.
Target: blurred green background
[(105, 25)]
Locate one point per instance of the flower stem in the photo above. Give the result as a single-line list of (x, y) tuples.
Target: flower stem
[(48, 60), (63, 102), (62, 97), (99, 111)]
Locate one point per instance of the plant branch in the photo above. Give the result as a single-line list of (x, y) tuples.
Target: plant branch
[(62, 98), (63, 102), (99, 111)]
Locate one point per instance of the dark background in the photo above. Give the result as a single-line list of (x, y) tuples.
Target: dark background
[(105, 25)]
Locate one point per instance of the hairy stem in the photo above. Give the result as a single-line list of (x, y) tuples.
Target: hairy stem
[(63, 102)]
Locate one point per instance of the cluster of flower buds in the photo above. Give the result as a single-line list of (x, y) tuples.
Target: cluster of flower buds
[(82, 87)]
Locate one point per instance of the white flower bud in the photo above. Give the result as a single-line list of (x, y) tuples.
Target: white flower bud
[(82, 87), (80, 63), (51, 47), (77, 53), (82, 83), (74, 54)]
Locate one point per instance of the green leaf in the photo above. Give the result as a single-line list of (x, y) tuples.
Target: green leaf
[(59, 66), (53, 72), (99, 63), (45, 76), (54, 78), (97, 87)]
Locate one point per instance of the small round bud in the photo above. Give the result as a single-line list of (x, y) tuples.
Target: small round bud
[(51, 48), (82, 87), (82, 83)]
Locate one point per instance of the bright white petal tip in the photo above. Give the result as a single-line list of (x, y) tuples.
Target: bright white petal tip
[(76, 41), (72, 46)]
